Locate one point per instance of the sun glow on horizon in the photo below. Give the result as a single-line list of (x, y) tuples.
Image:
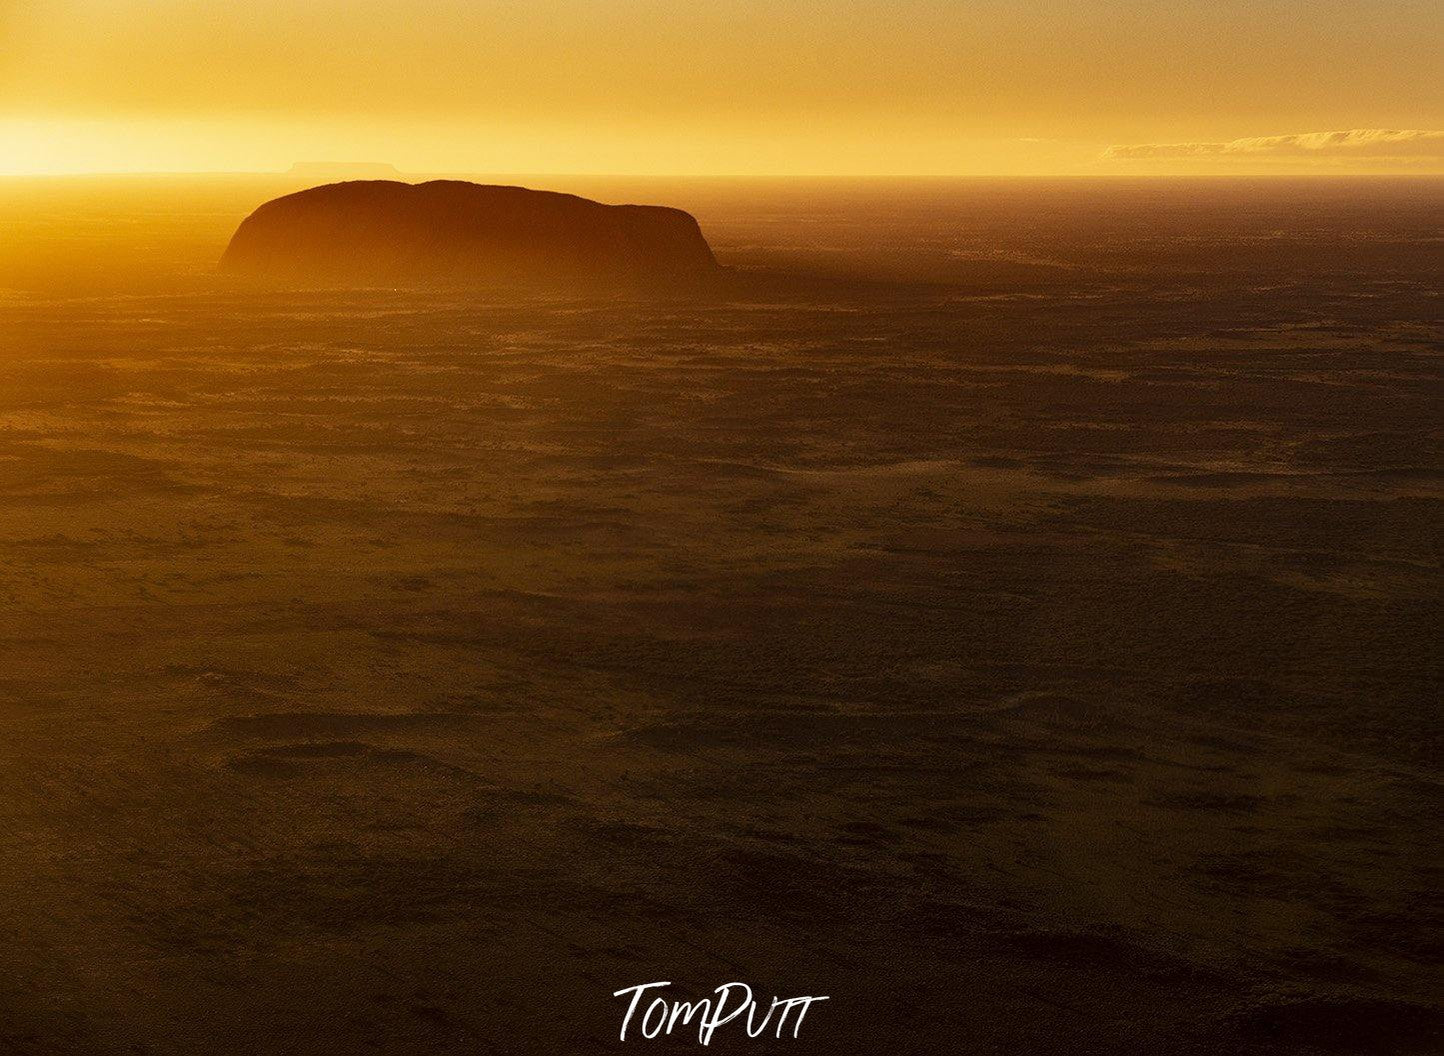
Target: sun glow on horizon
[(734, 87)]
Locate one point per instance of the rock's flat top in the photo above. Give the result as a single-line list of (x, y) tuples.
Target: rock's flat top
[(454, 231)]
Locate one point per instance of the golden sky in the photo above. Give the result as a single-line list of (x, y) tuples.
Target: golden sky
[(724, 86)]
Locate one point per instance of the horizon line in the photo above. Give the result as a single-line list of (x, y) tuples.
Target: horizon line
[(443, 174)]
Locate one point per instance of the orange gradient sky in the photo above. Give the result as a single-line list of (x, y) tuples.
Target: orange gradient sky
[(724, 86)]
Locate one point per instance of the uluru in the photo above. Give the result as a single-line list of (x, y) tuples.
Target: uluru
[(456, 232)]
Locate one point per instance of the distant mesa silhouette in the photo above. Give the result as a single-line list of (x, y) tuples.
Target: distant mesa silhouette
[(451, 231)]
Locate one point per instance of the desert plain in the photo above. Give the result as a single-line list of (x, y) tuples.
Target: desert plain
[(1010, 609)]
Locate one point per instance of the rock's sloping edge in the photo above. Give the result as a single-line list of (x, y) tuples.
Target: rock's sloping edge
[(458, 232)]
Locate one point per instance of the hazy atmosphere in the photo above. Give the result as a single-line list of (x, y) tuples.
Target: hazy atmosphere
[(722, 86), (897, 528)]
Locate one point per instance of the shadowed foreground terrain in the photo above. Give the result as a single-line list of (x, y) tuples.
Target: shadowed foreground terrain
[(1038, 658)]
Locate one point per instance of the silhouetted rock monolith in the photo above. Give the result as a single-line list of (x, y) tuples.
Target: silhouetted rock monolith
[(457, 232)]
